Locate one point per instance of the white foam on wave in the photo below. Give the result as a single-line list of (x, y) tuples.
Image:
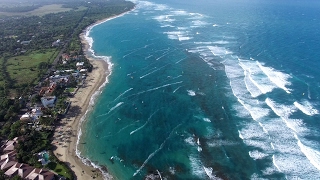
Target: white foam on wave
[(219, 51), (198, 23), (295, 166), (210, 174), (257, 154), (218, 143), (221, 42), (191, 92), (206, 43), (240, 135), (196, 166), (161, 7), (146, 5), (312, 154), (179, 13), (184, 38), (254, 108), (306, 107), (179, 35), (190, 140), (287, 156), (206, 120), (256, 80), (278, 78), (269, 170), (164, 18), (167, 25), (196, 16), (283, 111)]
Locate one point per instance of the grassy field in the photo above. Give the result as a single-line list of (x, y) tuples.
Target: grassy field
[(47, 9), (60, 169), (24, 69)]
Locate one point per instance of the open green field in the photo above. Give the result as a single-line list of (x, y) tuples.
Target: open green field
[(46, 9), (24, 69)]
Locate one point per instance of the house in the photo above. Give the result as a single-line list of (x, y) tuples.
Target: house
[(83, 70), (7, 163), (19, 169), (12, 168), (10, 154), (26, 117), (36, 113), (9, 146), (47, 91), (80, 64), (40, 174), (65, 57), (48, 101), (56, 43)]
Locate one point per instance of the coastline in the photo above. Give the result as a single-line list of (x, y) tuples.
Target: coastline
[(66, 150)]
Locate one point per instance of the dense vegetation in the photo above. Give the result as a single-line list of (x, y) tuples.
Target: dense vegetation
[(28, 55)]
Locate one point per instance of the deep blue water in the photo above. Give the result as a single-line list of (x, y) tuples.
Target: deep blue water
[(209, 90)]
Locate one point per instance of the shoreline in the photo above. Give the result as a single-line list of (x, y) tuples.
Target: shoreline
[(67, 150)]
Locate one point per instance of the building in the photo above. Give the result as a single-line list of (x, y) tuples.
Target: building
[(48, 101), (20, 169), (42, 174), (12, 168)]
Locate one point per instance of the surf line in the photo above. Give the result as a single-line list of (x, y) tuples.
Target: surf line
[(144, 123), (155, 152)]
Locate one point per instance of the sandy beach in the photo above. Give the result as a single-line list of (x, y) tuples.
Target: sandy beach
[(65, 136)]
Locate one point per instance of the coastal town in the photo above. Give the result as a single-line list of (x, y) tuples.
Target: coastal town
[(38, 141)]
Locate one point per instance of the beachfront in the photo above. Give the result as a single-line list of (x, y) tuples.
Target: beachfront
[(67, 134)]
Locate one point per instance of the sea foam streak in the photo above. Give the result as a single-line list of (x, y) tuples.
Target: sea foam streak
[(156, 88), (123, 93), (112, 109), (144, 123), (152, 72), (155, 152)]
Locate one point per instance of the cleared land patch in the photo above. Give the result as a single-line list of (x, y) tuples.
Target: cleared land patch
[(23, 69), (46, 9)]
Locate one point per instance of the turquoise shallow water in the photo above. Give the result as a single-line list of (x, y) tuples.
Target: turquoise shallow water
[(204, 90)]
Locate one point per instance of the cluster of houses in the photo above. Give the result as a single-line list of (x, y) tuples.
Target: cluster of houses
[(57, 78), (12, 168)]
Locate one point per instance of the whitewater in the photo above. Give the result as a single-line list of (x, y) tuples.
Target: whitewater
[(207, 90)]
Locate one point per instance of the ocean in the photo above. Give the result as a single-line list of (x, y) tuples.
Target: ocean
[(223, 89)]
